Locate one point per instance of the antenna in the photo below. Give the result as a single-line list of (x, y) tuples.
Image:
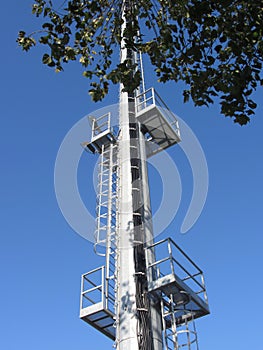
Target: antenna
[(148, 294)]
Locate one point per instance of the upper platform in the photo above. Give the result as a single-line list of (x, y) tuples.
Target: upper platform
[(160, 124)]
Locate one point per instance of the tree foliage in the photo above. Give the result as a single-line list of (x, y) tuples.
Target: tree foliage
[(214, 47)]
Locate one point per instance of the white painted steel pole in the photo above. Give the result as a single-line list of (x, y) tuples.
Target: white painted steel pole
[(129, 334), (126, 322)]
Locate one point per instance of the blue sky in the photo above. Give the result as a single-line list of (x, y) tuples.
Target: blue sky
[(42, 258)]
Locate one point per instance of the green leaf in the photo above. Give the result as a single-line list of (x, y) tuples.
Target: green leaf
[(252, 104), (46, 59), (48, 26), (21, 34), (44, 39), (186, 95), (88, 74)]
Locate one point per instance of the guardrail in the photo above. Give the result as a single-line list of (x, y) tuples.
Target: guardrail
[(171, 259), (95, 289), (150, 97)]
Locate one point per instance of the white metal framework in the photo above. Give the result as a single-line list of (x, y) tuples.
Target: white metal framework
[(147, 295), (174, 281)]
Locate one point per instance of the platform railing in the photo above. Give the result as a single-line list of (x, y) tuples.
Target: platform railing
[(171, 259), (150, 97), (92, 287), (95, 289), (100, 124)]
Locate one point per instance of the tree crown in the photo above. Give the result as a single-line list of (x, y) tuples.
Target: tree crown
[(214, 47)]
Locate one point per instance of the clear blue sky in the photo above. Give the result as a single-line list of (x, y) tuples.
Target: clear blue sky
[(42, 258)]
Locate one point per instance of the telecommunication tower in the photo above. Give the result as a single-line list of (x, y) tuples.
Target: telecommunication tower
[(148, 294)]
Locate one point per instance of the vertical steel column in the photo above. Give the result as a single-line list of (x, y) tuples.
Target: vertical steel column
[(126, 289), (126, 318), (138, 320)]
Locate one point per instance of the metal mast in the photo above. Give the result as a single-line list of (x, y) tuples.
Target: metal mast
[(140, 299), (138, 321)]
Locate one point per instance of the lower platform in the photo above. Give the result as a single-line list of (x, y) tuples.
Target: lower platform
[(96, 303), (187, 303), (100, 318), (175, 280), (97, 143)]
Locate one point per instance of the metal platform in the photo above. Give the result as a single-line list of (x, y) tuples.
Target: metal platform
[(175, 275), (97, 302), (160, 124), (102, 133)]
